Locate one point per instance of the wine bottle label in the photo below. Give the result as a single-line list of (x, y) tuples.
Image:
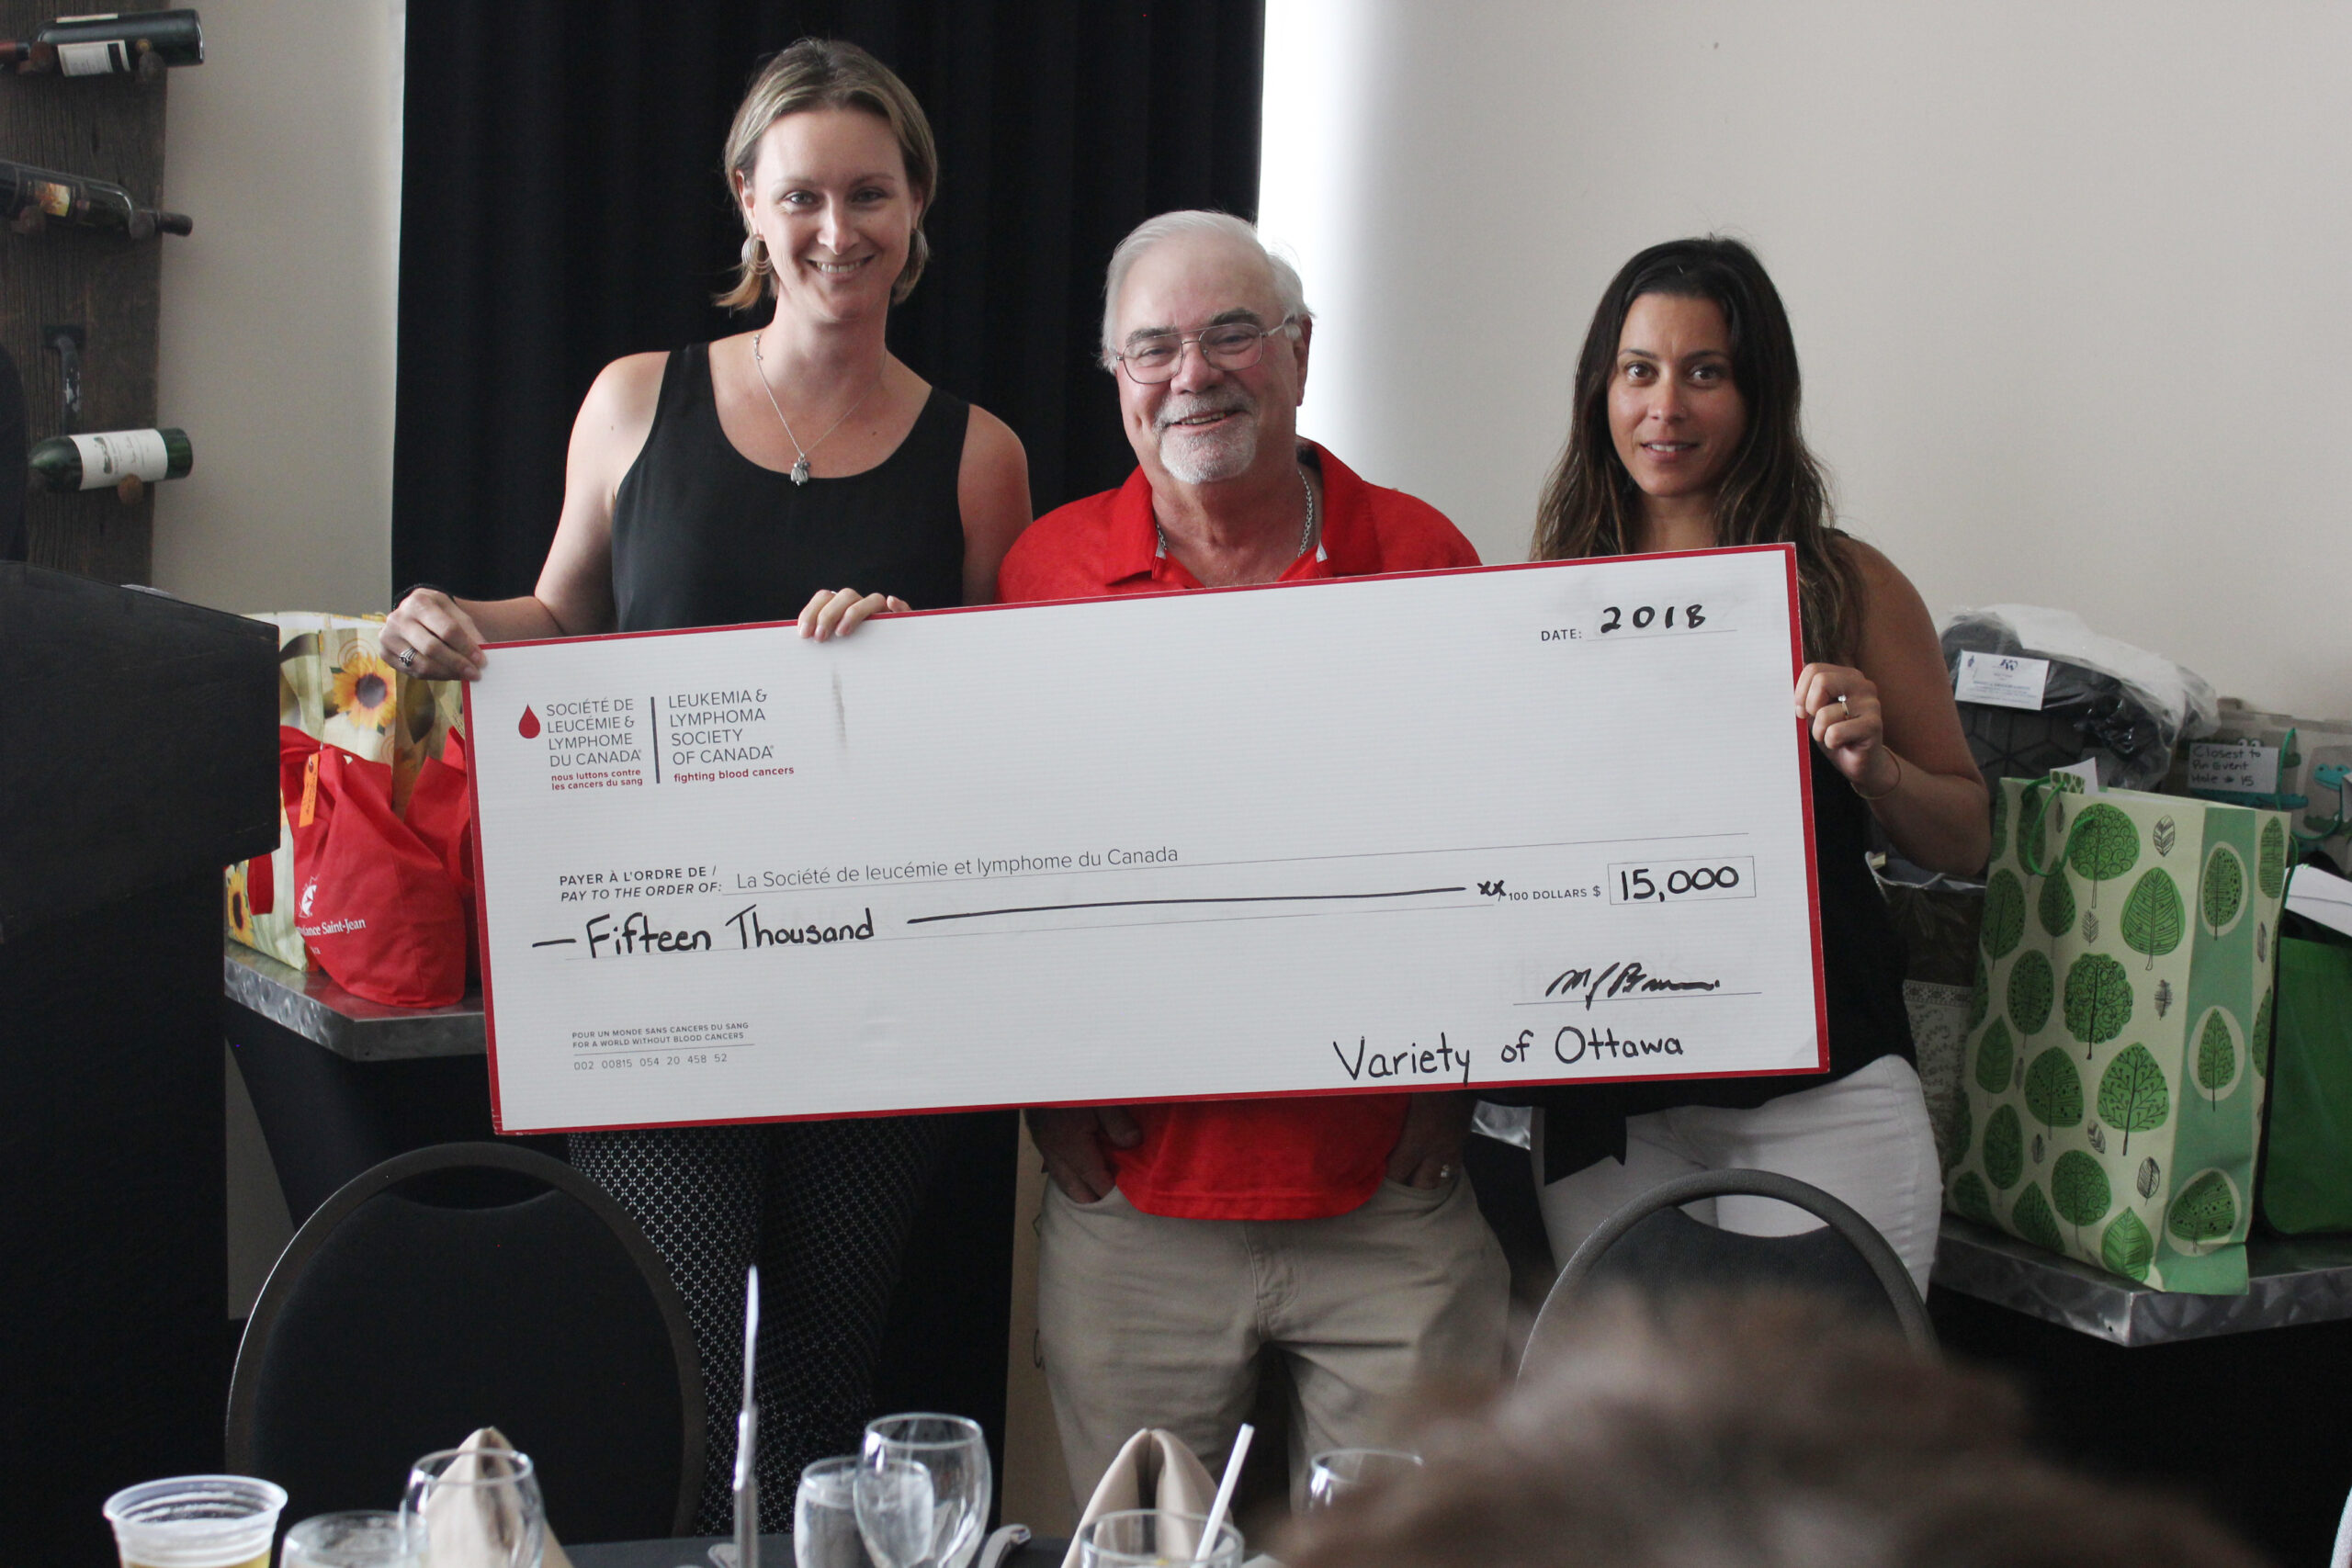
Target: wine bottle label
[(109, 59), (55, 199), (108, 459)]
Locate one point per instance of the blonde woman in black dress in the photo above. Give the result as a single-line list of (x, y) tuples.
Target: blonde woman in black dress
[(747, 479)]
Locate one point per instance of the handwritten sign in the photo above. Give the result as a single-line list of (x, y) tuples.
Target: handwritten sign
[(1438, 831), (2232, 767)]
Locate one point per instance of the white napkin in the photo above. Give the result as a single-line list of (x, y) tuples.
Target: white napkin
[(469, 1528), (1154, 1470)]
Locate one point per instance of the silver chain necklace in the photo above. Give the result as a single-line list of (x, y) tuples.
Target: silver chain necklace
[(800, 463), (1306, 535)]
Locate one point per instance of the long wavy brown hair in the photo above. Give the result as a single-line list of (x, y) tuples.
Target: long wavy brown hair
[(1773, 492)]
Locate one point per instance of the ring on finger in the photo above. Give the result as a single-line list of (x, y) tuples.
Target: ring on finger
[(407, 655)]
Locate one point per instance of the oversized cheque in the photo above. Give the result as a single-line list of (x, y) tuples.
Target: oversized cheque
[(1509, 825)]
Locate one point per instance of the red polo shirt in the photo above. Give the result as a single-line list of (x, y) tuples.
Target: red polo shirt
[(1241, 1159)]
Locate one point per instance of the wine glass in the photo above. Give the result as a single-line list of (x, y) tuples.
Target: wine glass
[(478, 1506), (824, 1514), (922, 1490), (1144, 1538), (1344, 1472)]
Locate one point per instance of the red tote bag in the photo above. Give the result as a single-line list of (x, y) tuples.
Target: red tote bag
[(373, 904), (442, 819)]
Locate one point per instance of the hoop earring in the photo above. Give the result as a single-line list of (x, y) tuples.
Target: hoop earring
[(755, 254)]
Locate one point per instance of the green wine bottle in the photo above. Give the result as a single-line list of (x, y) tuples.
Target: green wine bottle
[(113, 43), (106, 459), (31, 197)]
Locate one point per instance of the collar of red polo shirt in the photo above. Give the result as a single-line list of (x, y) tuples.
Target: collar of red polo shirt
[(1107, 544), (1132, 548)]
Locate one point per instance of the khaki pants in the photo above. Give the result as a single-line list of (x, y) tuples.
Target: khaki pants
[(1147, 1321)]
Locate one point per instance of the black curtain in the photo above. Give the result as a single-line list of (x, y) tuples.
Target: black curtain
[(561, 205)]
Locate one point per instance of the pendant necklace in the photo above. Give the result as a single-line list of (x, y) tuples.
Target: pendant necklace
[(800, 463), (1306, 536)]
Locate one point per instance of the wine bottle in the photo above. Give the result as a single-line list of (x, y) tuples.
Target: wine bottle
[(104, 461), (29, 196), (109, 44)]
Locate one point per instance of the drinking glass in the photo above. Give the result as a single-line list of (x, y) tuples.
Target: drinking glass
[(1344, 1472), (368, 1538), (478, 1506), (922, 1490), (824, 1515), (195, 1521), (1143, 1538)]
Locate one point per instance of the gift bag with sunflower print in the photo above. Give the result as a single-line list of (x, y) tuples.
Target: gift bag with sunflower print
[(334, 685), (2120, 1029)]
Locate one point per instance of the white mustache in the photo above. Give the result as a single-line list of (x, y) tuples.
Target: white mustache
[(1176, 408)]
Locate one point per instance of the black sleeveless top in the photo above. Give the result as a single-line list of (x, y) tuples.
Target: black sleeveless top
[(1862, 971), (704, 537)]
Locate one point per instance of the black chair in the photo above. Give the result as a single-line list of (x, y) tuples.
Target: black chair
[(1653, 1246), (470, 1285)]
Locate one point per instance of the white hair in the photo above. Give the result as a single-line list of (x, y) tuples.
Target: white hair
[(1289, 293)]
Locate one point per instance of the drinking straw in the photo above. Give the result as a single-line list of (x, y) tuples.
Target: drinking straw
[(1224, 1491)]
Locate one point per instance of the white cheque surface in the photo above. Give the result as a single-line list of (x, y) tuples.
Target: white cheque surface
[(1518, 825)]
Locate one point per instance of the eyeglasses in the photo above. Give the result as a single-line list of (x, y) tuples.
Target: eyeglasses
[(1230, 346)]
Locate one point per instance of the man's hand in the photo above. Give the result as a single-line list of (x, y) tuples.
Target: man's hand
[(1072, 1140), (1428, 1151)]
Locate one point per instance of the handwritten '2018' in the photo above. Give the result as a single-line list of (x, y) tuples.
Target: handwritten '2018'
[(1614, 618)]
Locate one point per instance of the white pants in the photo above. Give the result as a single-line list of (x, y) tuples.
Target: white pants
[(1864, 1139)]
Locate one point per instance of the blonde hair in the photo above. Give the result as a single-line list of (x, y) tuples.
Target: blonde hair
[(826, 74)]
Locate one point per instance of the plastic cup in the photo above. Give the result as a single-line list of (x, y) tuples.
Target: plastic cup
[(360, 1539), (195, 1521)]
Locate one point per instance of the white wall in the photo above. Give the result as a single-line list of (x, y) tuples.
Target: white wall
[(279, 310), (2068, 281)]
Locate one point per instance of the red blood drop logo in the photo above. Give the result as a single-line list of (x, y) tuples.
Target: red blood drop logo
[(529, 727)]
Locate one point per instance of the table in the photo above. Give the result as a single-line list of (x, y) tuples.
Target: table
[(2293, 1281), (340, 1084), (352, 1027), (775, 1551), (2169, 1388)]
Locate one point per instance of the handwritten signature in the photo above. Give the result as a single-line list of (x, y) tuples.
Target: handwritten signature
[(1625, 977)]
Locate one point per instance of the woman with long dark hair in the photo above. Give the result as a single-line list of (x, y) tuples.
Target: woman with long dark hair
[(1685, 436)]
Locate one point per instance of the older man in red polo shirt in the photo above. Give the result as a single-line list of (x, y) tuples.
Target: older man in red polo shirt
[(1178, 1240)]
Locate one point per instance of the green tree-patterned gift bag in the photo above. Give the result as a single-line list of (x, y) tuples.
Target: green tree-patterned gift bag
[(2120, 1029)]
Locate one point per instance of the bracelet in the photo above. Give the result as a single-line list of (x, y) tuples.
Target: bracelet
[(1868, 799)]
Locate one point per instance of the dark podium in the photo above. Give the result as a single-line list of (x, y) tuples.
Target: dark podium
[(138, 756)]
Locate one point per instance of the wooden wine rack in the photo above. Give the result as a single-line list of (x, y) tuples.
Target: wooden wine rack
[(106, 283)]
